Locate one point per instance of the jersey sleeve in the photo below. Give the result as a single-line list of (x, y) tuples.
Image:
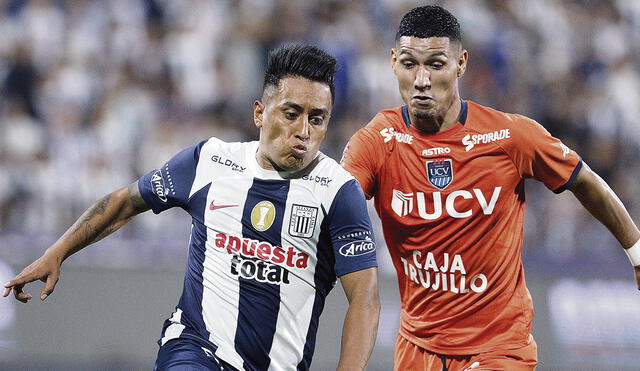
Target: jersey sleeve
[(170, 185), (350, 231), (362, 157), (539, 155)]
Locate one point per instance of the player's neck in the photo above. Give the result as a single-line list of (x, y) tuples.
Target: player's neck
[(436, 124)]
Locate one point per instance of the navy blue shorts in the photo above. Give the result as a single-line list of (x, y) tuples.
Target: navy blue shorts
[(187, 354)]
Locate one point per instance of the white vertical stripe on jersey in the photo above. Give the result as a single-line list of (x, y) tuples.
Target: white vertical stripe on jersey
[(221, 291), (297, 298), (175, 328)]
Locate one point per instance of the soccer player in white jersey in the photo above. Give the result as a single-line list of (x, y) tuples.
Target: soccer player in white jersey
[(274, 223)]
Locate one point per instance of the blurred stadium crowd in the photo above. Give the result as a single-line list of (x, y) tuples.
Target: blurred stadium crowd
[(96, 93)]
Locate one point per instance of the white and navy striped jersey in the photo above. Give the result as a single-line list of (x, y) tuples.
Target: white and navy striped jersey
[(264, 250)]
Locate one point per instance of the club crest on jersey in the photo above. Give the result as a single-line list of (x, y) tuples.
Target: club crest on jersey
[(440, 173), (303, 220), (263, 215)]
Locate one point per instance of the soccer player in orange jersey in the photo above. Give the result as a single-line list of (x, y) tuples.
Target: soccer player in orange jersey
[(447, 176)]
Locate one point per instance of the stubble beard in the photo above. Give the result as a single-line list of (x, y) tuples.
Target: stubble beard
[(427, 121)]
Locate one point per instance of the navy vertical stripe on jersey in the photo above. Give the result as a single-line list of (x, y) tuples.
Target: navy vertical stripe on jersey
[(259, 302), (191, 299)]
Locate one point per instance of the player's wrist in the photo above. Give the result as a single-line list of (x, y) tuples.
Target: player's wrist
[(633, 253)]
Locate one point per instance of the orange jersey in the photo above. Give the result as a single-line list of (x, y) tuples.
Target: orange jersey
[(452, 209)]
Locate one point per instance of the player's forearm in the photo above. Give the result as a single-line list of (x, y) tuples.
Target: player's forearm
[(359, 332), (104, 217), (600, 200)]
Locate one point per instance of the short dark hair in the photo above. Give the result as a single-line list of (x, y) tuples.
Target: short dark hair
[(305, 61), (429, 21)]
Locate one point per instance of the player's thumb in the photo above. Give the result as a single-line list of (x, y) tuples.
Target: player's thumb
[(48, 286)]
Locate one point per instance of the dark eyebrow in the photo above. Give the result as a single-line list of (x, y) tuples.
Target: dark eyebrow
[(434, 54), (319, 112), (405, 52), (295, 106), (314, 112)]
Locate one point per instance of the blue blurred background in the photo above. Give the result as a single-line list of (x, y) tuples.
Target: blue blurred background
[(96, 93)]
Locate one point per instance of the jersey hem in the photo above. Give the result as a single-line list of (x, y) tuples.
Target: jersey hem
[(357, 269), (202, 342), (461, 351)]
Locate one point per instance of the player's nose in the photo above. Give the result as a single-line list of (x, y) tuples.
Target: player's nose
[(422, 80), (302, 129)]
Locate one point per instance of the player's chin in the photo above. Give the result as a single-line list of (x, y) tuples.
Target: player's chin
[(423, 113), (293, 163)]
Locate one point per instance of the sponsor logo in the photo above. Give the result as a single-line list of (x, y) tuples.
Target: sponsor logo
[(471, 140), (158, 185), (258, 270), (262, 250), (303, 220), (263, 215), (440, 173), (260, 260), (357, 248), (226, 162), (322, 180), (212, 206), (451, 276), (390, 133), (436, 151), (402, 203)]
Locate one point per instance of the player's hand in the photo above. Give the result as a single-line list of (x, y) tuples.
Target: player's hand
[(637, 270), (45, 269)]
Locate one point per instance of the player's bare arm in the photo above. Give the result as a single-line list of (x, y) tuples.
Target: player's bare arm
[(600, 200), (361, 321), (104, 217)]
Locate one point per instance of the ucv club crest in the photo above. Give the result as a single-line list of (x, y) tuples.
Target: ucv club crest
[(440, 173)]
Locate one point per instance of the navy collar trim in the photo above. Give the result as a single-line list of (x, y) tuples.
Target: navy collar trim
[(405, 116), (462, 118)]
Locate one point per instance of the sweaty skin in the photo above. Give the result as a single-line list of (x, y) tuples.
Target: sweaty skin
[(427, 71), (293, 122)]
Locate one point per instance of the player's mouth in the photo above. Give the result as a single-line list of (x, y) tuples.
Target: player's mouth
[(299, 150), (422, 100)]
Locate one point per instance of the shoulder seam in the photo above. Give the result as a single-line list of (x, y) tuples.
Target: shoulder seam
[(503, 150)]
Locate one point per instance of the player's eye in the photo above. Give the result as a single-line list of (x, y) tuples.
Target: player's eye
[(316, 120), (408, 64), (437, 65), (290, 115)]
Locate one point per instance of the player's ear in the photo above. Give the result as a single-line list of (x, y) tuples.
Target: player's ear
[(462, 62), (258, 113), (393, 58)]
